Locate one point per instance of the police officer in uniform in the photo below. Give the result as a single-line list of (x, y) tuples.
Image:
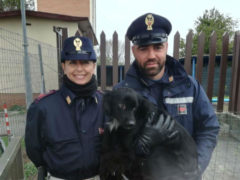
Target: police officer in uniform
[(64, 127), (162, 79)]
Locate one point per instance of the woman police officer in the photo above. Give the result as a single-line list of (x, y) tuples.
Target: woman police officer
[(64, 127)]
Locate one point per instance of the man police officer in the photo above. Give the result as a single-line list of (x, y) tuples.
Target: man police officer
[(162, 79)]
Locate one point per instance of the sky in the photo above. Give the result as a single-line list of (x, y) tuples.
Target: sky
[(117, 15)]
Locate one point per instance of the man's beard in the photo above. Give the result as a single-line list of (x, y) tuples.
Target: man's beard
[(150, 72)]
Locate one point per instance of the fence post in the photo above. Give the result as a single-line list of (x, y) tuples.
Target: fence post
[(233, 77), (26, 62), (115, 58), (201, 40), (188, 56), (43, 89), (237, 104), (127, 55), (103, 60), (211, 64), (223, 72), (176, 45), (235, 74)]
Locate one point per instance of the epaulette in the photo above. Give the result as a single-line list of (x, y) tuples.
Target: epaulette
[(41, 96), (100, 91)]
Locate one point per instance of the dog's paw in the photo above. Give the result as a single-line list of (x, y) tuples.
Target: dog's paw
[(113, 170)]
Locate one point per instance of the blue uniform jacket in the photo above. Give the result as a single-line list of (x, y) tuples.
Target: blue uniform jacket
[(63, 133), (185, 99)]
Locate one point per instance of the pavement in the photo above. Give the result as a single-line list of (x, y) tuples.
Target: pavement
[(225, 161)]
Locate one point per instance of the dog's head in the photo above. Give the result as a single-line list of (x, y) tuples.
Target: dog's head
[(122, 106)]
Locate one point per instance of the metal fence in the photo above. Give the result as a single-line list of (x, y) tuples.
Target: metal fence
[(44, 76)]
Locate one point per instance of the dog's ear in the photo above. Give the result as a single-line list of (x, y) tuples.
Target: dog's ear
[(107, 103), (146, 112), (145, 107)]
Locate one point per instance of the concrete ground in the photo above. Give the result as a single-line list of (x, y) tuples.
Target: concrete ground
[(225, 162)]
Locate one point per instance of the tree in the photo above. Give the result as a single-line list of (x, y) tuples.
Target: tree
[(182, 48), (109, 53), (212, 20), (10, 5)]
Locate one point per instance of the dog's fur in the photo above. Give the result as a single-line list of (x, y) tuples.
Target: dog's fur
[(127, 114)]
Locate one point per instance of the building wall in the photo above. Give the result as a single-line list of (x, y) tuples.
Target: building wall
[(80, 8), (11, 61), (40, 29)]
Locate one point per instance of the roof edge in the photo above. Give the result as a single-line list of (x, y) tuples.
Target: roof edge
[(43, 15)]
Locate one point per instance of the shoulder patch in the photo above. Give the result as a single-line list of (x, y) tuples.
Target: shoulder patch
[(41, 96)]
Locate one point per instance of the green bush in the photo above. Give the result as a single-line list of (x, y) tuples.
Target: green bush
[(29, 170), (17, 108), (5, 140)]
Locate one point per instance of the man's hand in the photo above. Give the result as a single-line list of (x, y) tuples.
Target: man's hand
[(161, 132)]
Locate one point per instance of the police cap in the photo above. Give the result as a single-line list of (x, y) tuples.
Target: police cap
[(78, 48), (149, 29)]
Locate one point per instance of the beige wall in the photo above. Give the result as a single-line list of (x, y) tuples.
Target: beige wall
[(40, 29), (12, 24)]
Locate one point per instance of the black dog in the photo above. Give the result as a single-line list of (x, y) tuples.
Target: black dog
[(128, 114)]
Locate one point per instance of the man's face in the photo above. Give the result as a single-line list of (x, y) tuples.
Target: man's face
[(79, 71), (151, 59)]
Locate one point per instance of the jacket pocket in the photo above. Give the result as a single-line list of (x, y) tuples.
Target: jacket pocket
[(64, 155)]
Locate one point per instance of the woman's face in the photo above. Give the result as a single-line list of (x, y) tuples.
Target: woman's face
[(79, 71)]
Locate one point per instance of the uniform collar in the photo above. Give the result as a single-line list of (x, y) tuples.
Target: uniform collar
[(69, 96), (175, 73), (166, 79)]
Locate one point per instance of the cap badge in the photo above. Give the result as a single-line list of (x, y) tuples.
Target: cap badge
[(149, 21), (77, 43)]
